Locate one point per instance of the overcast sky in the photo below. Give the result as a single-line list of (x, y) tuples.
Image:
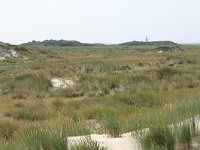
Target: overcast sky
[(105, 21)]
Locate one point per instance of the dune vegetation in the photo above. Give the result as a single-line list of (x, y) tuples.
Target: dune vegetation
[(117, 89)]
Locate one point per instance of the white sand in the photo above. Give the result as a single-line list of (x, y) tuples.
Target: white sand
[(125, 142), (61, 83)]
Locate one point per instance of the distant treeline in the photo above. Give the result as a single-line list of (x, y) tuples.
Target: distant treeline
[(153, 43), (77, 43)]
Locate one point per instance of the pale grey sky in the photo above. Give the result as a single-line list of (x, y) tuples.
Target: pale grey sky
[(105, 21)]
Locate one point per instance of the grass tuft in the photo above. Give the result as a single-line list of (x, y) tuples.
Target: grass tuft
[(87, 144), (158, 138), (185, 136), (112, 126), (8, 129)]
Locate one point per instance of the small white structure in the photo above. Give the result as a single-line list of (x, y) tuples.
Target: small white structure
[(61, 83)]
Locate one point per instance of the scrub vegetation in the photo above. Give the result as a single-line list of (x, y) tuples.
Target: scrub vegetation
[(117, 89)]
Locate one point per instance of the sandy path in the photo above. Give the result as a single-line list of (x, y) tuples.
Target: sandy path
[(125, 142)]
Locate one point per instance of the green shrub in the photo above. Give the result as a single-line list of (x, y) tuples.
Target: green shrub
[(158, 138)]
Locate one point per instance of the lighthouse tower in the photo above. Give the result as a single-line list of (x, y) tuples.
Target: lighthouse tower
[(147, 39)]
